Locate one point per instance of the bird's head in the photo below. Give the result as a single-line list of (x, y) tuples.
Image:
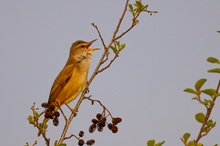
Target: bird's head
[(81, 50)]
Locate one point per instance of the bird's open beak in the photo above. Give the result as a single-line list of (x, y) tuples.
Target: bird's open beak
[(90, 43)]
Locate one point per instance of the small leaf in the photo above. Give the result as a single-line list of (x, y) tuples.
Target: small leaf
[(200, 117), (139, 4), (56, 143), (209, 123), (213, 60), (160, 143), (136, 22), (36, 115), (131, 8), (122, 46), (191, 143), (30, 119), (114, 49), (62, 144), (150, 142), (186, 136), (209, 92), (218, 31), (189, 90), (215, 70), (199, 84), (199, 144)]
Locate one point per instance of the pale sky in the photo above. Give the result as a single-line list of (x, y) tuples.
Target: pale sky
[(165, 53)]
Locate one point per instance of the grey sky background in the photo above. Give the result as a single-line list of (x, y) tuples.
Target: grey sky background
[(164, 54)]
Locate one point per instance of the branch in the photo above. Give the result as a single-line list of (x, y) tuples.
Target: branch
[(97, 70), (120, 21), (208, 113), (107, 66), (100, 103), (36, 124)]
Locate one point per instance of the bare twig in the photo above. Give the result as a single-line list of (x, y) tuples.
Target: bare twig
[(64, 116), (100, 103), (35, 143), (72, 135), (120, 21), (107, 66), (100, 35)]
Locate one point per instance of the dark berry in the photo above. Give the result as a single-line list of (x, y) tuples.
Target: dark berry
[(56, 114), (81, 142), (99, 116), (110, 125), (117, 120), (100, 128), (94, 121), (92, 128), (90, 142), (48, 110), (52, 107), (114, 129), (44, 105), (47, 115), (55, 121), (81, 133)]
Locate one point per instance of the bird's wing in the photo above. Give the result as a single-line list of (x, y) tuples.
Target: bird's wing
[(61, 80)]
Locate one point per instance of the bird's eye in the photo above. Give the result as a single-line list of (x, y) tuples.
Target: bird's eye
[(83, 46)]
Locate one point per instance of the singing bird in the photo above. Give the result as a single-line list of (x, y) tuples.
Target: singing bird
[(72, 79)]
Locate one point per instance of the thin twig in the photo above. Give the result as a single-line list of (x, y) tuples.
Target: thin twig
[(35, 143), (64, 116), (100, 35), (107, 66), (120, 21), (72, 135), (100, 103)]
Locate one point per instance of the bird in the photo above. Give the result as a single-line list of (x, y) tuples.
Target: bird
[(71, 80)]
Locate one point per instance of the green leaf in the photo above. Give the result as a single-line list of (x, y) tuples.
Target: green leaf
[(160, 143), (186, 136), (139, 4), (209, 92), (199, 144), (189, 90), (191, 143), (114, 49), (199, 84), (131, 8), (150, 142), (216, 144), (215, 70), (209, 123), (122, 46), (200, 117), (218, 31), (213, 60), (62, 144), (206, 102), (36, 115)]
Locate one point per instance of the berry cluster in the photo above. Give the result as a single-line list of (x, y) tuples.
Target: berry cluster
[(51, 113), (100, 122), (81, 142)]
